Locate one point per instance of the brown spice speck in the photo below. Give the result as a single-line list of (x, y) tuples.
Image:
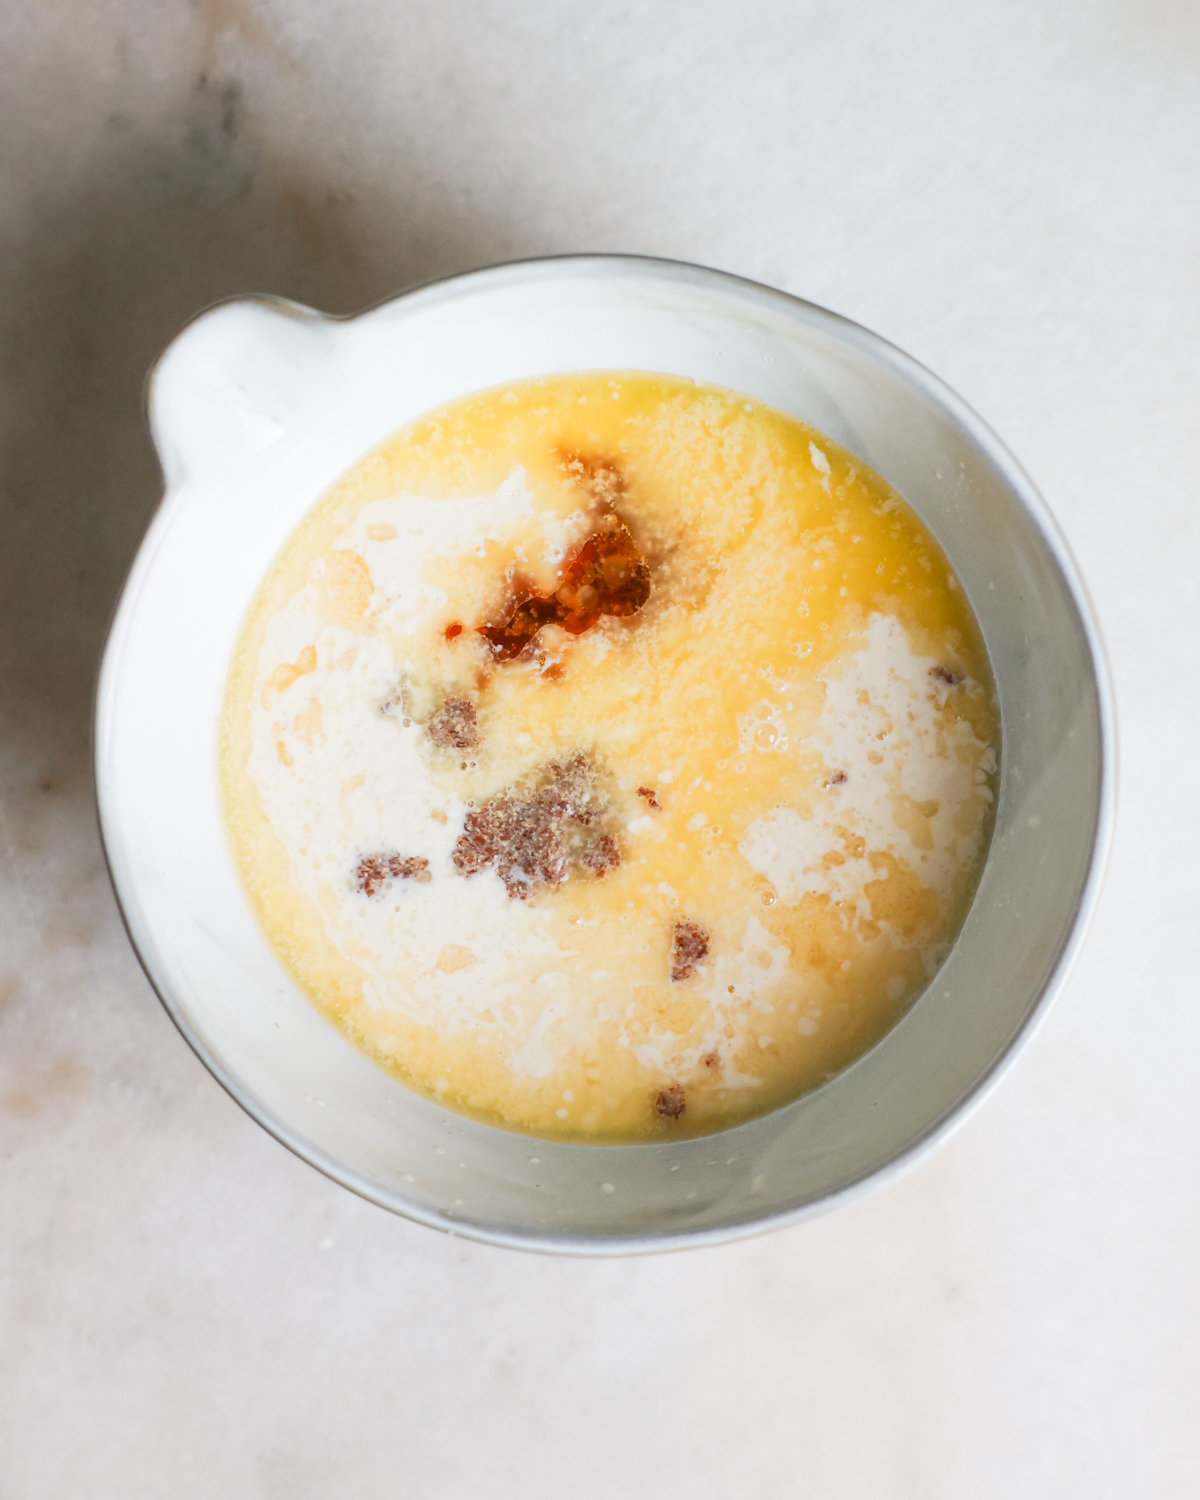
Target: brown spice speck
[(651, 797), (601, 856), (374, 871), (671, 1102), (535, 835), (689, 948), (454, 726), (944, 674)]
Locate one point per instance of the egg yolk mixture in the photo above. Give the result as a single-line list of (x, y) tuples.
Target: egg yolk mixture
[(610, 757)]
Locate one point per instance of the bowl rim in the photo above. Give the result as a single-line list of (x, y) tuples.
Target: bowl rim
[(879, 350)]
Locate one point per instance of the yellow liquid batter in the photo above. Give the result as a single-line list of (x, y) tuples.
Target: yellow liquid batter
[(793, 742)]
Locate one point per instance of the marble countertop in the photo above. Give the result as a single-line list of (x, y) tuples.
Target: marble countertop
[(1008, 191)]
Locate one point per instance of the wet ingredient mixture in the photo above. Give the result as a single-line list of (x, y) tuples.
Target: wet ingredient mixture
[(610, 757)]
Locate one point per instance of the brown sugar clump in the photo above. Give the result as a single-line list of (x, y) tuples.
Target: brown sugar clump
[(374, 871), (606, 575), (537, 834), (689, 949), (651, 797), (454, 726), (671, 1102), (600, 477)]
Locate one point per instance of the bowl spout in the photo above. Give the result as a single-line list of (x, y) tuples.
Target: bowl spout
[(239, 387)]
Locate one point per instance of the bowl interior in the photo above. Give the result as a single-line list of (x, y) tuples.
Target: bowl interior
[(256, 408)]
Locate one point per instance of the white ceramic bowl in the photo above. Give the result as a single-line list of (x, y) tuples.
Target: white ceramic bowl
[(256, 408)]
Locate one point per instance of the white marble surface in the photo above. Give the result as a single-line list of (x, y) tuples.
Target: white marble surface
[(1007, 190)]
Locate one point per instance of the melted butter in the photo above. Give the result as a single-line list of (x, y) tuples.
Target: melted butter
[(805, 694)]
